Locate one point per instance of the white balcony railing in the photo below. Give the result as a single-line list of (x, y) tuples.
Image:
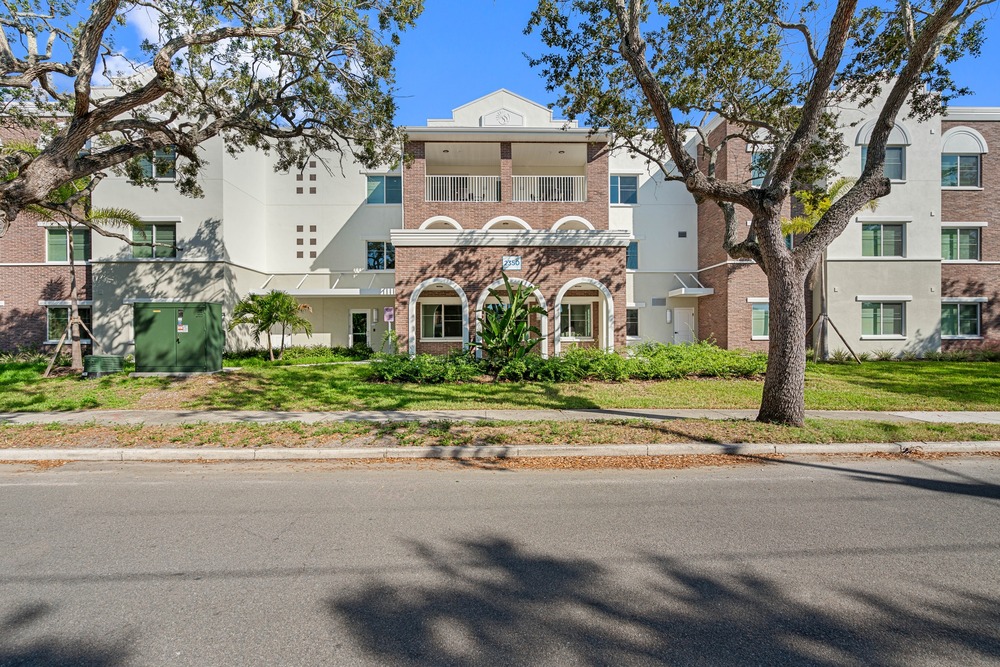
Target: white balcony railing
[(550, 188), (462, 188)]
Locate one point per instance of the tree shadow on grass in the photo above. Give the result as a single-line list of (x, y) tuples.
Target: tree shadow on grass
[(961, 384), (340, 388), (16, 651), (492, 602)]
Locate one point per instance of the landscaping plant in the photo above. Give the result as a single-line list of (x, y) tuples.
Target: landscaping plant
[(505, 334)]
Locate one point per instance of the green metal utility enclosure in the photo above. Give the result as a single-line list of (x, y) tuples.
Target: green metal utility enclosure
[(178, 337)]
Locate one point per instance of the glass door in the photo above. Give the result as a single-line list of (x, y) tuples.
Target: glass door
[(359, 328)]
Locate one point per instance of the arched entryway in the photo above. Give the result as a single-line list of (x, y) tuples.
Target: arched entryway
[(438, 316), (484, 296), (584, 317)]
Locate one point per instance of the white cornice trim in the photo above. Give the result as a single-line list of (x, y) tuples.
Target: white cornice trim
[(884, 218), (964, 299), (965, 224), (507, 239), (883, 297)]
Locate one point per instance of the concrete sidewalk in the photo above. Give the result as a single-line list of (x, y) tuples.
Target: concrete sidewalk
[(123, 454), (166, 417)]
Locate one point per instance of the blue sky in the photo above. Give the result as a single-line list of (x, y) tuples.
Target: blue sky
[(463, 49)]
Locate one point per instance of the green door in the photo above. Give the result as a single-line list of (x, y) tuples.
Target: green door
[(155, 345), (191, 336)]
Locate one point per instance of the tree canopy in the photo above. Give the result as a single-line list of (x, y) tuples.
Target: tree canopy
[(295, 77), (659, 74)]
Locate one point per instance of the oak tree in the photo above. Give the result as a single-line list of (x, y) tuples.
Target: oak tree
[(292, 77), (656, 73)]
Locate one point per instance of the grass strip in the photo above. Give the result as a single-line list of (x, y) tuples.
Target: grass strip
[(483, 433)]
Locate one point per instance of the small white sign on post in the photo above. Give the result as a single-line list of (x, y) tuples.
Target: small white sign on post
[(511, 263), (388, 314)]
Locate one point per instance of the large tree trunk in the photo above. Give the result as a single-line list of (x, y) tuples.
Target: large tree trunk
[(784, 385)]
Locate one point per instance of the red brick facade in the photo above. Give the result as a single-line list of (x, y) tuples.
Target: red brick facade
[(26, 279), (726, 317), (977, 279), (474, 269), (473, 215)]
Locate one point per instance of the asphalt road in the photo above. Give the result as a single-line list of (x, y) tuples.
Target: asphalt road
[(811, 562)]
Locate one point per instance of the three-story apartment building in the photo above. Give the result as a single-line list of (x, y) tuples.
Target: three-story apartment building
[(612, 251)]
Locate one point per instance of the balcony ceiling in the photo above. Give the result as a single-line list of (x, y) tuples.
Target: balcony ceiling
[(463, 154), (549, 155)]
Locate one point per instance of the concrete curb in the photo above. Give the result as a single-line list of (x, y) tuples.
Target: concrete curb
[(492, 452)]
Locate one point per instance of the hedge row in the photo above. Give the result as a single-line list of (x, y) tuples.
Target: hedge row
[(649, 361)]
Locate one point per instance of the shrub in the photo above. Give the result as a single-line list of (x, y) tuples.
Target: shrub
[(884, 354), (840, 356), (424, 368)]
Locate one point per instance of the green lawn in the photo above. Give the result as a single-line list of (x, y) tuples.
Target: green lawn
[(872, 386)]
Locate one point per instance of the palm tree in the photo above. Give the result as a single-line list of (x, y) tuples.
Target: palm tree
[(263, 312)]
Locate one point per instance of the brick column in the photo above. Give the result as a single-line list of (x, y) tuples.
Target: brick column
[(506, 173)]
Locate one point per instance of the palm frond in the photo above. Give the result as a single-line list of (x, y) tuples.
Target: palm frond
[(115, 217)]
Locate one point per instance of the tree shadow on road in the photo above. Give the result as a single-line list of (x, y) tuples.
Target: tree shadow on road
[(492, 602), (16, 650)]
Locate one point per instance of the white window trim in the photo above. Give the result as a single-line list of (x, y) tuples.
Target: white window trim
[(980, 172), (637, 175), (88, 303), (638, 336), (172, 221), (884, 219), (884, 300), (755, 300), (966, 300), (579, 301), (439, 301), (62, 225), (890, 298), (902, 250), (384, 203), (965, 225), (387, 242)]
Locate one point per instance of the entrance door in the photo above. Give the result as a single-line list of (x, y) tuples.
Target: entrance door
[(684, 325), (359, 328)]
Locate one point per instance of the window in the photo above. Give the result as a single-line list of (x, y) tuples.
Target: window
[(632, 256), (761, 321), (381, 255), (960, 171), (632, 322), (960, 244), (959, 320), (624, 189), (881, 319), (57, 319), (161, 165), (385, 189), (882, 241), (440, 320), (895, 162), (147, 239), (758, 168), (575, 321), (57, 245)]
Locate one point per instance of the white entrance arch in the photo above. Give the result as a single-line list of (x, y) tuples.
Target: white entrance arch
[(572, 222), (412, 319), (607, 324), (500, 223), (537, 293), (440, 222)]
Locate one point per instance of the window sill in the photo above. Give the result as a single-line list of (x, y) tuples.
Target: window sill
[(881, 258), (613, 205), (961, 261), (85, 262), (442, 340), (154, 259), (885, 337), (961, 337), (631, 339), (68, 341), (380, 270), (369, 203), (970, 188), (568, 339), (760, 338)]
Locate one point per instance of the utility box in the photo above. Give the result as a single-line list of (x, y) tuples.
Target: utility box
[(178, 337)]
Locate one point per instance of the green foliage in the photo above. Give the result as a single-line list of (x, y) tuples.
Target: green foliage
[(649, 361), (884, 354), (505, 335), (815, 203), (424, 368), (298, 354), (264, 312), (840, 356)]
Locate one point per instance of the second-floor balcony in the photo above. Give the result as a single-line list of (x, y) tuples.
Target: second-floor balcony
[(488, 189), (462, 188), (550, 189)]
